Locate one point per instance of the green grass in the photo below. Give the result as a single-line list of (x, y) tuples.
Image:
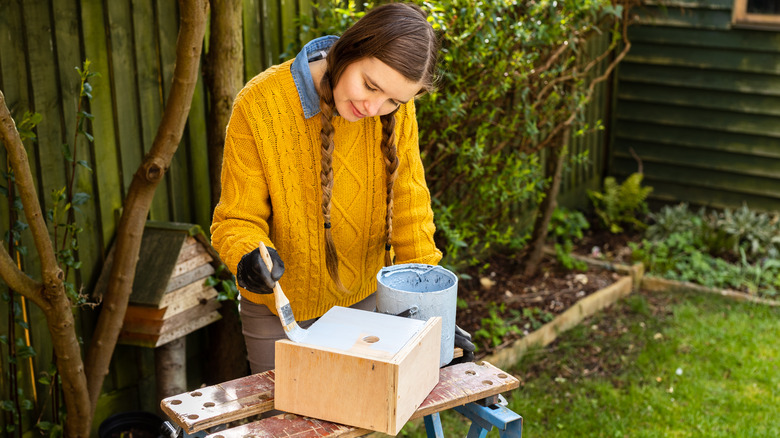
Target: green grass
[(653, 366)]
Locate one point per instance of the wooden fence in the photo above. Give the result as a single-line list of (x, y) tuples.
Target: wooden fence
[(131, 43)]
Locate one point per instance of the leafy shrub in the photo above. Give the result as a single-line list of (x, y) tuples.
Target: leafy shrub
[(620, 204), (513, 74), (566, 226), (724, 232), (726, 249)]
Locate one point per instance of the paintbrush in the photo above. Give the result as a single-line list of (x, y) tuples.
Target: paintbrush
[(291, 328)]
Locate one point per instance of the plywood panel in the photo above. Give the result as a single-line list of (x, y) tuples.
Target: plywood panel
[(379, 374)]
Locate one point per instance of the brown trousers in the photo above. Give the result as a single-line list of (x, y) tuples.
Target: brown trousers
[(262, 329)]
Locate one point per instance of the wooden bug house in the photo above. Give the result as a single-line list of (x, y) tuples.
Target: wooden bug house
[(171, 296)]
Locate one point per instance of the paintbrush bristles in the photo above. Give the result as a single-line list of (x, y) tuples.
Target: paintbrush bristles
[(283, 309)]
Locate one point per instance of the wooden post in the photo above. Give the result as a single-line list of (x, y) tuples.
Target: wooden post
[(170, 363)]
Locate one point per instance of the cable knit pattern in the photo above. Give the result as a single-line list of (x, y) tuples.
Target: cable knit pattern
[(271, 192)]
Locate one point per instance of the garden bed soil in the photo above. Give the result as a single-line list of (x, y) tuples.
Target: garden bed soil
[(501, 296)]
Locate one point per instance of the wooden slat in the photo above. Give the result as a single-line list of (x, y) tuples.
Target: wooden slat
[(126, 110), (150, 97), (705, 58), (695, 4), (672, 192), (106, 168), (305, 10), (197, 207), (253, 47), (152, 341), (688, 177), (752, 83), (731, 39), (272, 33), (690, 96), (700, 18), (186, 301), (159, 326), (189, 277), (701, 138), (207, 407), (751, 124), (725, 162), (167, 31), (51, 132), (191, 264), (288, 15), (189, 249)]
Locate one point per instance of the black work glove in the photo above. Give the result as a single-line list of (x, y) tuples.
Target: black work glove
[(463, 340), (253, 275)]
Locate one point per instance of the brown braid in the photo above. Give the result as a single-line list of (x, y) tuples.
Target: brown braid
[(390, 151), (399, 35), (326, 177)]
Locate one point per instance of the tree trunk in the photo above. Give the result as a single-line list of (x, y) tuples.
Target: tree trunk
[(192, 27), (553, 170), (170, 368), (224, 72)]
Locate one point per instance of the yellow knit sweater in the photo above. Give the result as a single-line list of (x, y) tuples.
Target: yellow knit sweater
[(271, 192)]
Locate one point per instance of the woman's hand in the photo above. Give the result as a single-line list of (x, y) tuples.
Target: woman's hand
[(253, 275)]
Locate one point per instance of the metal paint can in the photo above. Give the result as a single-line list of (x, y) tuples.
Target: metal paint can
[(432, 289)]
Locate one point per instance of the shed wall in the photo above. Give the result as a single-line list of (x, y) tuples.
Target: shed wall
[(698, 100)]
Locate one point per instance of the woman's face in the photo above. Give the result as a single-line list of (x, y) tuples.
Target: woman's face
[(369, 87)]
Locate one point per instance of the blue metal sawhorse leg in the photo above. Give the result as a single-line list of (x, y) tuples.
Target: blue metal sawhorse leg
[(483, 418)]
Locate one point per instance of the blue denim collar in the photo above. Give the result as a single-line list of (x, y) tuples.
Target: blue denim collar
[(314, 50)]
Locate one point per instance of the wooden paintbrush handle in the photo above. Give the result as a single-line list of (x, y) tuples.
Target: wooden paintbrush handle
[(279, 296)]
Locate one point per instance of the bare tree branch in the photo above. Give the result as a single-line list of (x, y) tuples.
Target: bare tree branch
[(50, 294), (192, 27)]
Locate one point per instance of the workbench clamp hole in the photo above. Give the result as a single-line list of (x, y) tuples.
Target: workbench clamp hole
[(192, 417), (208, 405), (196, 394), (175, 402), (487, 382), (471, 372), (370, 339)]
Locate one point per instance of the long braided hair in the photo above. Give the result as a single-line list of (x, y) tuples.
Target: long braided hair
[(399, 35)]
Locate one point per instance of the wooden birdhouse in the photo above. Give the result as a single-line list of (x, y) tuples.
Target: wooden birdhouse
[(170, 297)]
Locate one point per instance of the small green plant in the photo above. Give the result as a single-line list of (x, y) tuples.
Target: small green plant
[(494, 328), (566, 226), (225, 284), (621, 205)]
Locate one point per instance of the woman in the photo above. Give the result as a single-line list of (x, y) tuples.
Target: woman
[(322, 164)]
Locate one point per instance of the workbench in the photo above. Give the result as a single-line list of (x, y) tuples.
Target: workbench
[(472, 389)]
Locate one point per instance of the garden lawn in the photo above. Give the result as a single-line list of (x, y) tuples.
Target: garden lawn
[(659, 365)]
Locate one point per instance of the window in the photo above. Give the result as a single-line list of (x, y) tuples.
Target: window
[(757, 13)]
